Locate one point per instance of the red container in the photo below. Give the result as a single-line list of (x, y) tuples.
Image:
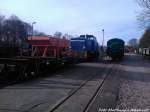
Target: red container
[(48, 46)]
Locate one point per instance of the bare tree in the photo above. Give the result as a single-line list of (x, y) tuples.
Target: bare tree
[(2, 18), (58, 34), (144, 16), (144, 3), (68, 36), (144, 22), (13, 30), (37, 33), (145, 40), (133, 43)]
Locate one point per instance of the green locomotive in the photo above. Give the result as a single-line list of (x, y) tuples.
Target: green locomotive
[(115, 48)]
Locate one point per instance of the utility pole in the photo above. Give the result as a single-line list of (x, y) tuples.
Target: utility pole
[(32, 29), (103, 37), (32, 36)]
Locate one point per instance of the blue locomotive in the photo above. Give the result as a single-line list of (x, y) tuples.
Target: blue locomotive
[(87, 46)]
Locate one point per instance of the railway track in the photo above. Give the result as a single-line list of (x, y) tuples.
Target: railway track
[(66, 98), (99, 90), (90, 77)]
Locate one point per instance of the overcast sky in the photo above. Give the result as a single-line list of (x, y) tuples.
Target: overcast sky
[(75, 17)]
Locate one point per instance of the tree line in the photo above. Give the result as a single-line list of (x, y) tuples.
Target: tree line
[(144, 22), (14, 31)]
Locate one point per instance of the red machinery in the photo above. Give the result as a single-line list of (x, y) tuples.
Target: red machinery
[(47, 53), (48, 46)]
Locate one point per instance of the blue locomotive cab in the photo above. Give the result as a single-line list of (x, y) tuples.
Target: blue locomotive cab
[(87, 45), (78, 44)]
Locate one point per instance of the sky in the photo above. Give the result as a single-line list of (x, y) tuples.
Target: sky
[(75, 17)]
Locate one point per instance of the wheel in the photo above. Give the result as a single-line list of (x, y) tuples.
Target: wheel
[(28, 71)]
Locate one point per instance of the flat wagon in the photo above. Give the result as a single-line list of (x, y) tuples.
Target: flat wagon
[(45, 52)]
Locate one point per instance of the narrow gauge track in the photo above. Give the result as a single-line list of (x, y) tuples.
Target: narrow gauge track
[(80, 87), (97, 91)]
